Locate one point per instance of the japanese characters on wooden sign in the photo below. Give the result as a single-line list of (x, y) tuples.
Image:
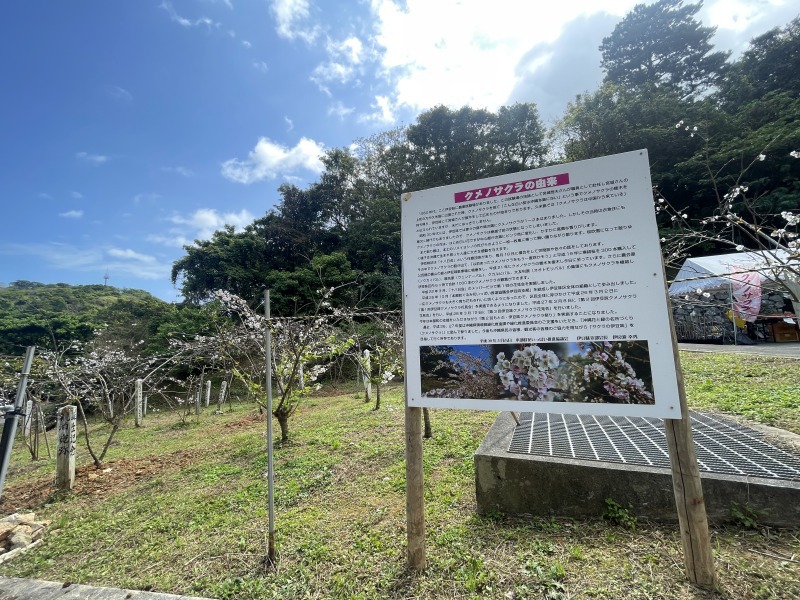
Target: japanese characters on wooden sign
[(539, 291)]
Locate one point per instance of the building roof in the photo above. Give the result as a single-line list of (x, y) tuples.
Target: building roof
[(713, 272)]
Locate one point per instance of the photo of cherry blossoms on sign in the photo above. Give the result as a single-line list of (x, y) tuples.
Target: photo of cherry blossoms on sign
[(602, 371)]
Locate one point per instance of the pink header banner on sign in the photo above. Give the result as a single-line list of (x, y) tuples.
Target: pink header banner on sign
[(506, 189)]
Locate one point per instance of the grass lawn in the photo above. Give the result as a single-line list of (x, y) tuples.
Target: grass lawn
[(183, 509)]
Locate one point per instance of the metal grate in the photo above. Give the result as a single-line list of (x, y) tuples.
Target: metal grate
[(722, 446)]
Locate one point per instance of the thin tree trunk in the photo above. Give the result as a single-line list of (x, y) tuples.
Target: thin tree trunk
[(114, 428), (283, 421), (97, 462)]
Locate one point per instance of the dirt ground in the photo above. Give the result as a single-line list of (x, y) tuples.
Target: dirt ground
[(112, 477)]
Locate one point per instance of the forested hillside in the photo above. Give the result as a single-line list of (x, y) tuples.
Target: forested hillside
[(709, 123), (53, 316)]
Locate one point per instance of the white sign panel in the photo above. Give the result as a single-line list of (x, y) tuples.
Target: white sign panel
[(539, 291)]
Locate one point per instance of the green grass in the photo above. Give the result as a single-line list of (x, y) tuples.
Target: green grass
[(198, 524), (762, 389)]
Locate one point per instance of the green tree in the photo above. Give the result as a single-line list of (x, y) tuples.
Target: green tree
[(453, 146), (770, 64), (229, 260), (520, 137), (663, 45)]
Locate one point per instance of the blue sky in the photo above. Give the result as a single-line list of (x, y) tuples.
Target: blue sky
[(132, 127)]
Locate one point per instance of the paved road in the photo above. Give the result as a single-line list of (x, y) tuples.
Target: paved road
[(14, 588), (787, 350)]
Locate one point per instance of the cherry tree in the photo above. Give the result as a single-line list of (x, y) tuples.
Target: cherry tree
[(303, 349), (101, 376)]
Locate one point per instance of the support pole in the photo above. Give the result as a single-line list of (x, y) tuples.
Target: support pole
[(688, 488), (10, 423), (415, 503), (270, 465)]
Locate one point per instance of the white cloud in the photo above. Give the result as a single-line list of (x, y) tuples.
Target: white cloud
[(182, 171), (289, 123), (351, 48), (331, 71), (383, 113), (129, 254), (339, 110), (45, 196), (95, 159), (199, 225), (71, 214), (470, 52), (552, 73), (184, 22), (119, 93), (269, 160), (738, 21), (261, 66), (458, 52), (291, 20), (344, 59), (76, 195), (246, 44), (741, 15)]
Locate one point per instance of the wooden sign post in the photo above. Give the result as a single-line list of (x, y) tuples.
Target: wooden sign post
[(688, 488), (138, 403), (222, 387), (65, 454), (415, 502)]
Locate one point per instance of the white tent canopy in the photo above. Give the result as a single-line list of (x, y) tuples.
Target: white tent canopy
[(713, 272)]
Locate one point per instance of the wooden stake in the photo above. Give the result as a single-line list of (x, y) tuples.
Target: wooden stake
[(415, 504), (138, 406), (688, 489)]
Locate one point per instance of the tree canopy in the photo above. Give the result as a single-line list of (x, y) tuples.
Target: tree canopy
[(663, 45)]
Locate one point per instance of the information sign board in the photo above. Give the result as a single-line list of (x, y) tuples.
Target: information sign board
[(539, 291)]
